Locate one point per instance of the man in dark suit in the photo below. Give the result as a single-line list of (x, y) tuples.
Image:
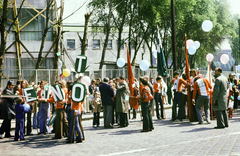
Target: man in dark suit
[(7, 111), (107, 95), (220, 98)]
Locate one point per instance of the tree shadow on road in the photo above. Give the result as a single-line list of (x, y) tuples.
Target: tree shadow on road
[(37, 141), (199, 129)]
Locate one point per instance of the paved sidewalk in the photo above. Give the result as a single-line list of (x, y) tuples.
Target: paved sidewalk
[(168, 138)]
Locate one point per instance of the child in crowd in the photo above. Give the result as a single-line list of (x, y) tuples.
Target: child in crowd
[(19, 109), (96, 108)]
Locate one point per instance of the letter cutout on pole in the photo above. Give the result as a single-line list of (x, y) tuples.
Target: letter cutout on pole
[(57, 93), (81, 63), (78, 92), (30, 94)]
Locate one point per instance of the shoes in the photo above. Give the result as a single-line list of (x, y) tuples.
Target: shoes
[(208, 122), (108, 126), (200, 123), (22, 139), (78, 141), (9, 136), (29, 134), (144, 130), (219, 127), (55, 138), (1, 137), (226, 126), (69, 141)]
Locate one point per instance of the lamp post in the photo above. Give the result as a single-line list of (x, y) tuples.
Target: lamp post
[(174, 44)]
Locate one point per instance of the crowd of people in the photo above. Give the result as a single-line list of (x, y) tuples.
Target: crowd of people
[(114, 98)]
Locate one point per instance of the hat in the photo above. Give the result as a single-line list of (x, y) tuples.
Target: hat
[(11, 82)]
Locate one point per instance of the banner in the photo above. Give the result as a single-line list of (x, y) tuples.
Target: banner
[(81, 63), (57, 92), (78, 92), (30, 94)]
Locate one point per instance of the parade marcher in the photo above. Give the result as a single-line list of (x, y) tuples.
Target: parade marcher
[(220, 98), (7, 110), (184, 97), (96, 108), (44, 112), (151, 89), (177, 89), (145, 105), (35, 111), (29, 114), (68, 107), (202, 86), (15, 89), (122, 101), (19, 109), (158, 97), (135, 99), (61, 125), (74, 128), (107, 95)]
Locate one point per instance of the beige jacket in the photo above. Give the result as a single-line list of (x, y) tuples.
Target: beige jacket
[(96, 105)]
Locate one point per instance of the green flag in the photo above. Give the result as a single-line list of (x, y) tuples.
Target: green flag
[(161, 63), (81, 63), (78, 92)]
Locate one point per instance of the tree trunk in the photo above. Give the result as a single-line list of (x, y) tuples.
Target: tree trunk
[(3, 35), (84, 40), (107, 36), (129, 31), (49, 3)]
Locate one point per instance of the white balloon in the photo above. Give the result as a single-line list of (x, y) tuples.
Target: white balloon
[(120, 62), (196, 44), (207, 26), (144, 65), (190, 43), (224, 58), (192, 50), (209, 57)]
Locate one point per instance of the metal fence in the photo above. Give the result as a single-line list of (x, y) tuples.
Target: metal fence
[(31, 75)]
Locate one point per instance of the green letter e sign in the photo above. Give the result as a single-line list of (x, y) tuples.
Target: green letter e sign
[(81, 63), (78, 92)]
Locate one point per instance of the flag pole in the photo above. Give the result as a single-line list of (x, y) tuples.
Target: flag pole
[(211, 91)]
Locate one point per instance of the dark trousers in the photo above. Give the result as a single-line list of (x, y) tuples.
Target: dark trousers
[(6, 126), (74, 129), (29, 121), (61, 124), (177, 100), (147, 118), (134, 113), (96, 118), (19, 128), (124, 119), (222, 119), (158, 99), (107, 115), (68, 113)]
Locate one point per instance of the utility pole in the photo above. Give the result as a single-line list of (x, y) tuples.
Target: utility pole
[(174, 42)]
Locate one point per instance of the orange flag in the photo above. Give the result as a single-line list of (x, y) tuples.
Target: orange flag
[(133, 100)]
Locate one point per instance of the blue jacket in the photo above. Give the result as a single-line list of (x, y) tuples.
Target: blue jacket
[(19, 109), (107, 94)]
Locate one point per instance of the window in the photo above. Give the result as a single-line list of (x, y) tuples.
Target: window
[(96, 44), (86, 44), (122, 44), (70, 44), (109, 45)]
